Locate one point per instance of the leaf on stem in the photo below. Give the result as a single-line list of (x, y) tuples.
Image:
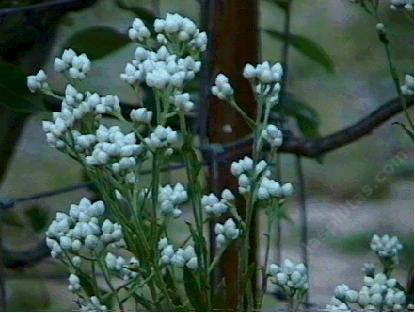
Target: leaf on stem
[(305, 46)]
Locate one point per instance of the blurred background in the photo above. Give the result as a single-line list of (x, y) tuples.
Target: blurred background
[(341, 79)]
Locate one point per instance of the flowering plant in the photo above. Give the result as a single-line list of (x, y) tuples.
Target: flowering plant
[(119, 250)]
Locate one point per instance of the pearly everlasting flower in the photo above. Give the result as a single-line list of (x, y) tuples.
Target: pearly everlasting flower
[(125, 270), (82, 229), (402, 4), (37, 82), (75, 66), (215, 207), (93, 304), (141, 115), (408, 88), (74, 283), (226, 233), (182, 102), (179, 258), (170, 198), (222, 88), (289, 276), (182, 30), (272, 135), (161, 69), (386, 247), (336, 305), (264, 72), (162, 137), (138, 31)]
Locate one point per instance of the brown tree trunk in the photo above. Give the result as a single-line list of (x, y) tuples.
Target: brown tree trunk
[(233, 26)]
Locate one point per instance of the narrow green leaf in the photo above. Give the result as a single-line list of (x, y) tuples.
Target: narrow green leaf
[(307, 47), (146, 15), (97, 41), (14, 93), (409, 132), (11, 218), (145, 303), (306, 117), (193, 291), (283, 4)]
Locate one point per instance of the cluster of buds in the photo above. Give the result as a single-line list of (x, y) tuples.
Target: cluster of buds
[(93, 304), (74, 283), (82, 228), (266, 78), (178, 258), (75, 66), (387, 248), (138, 31), (37, 82), (272, 135), (183, 103), (126, 270), (160, 69), (408, 88), (141, 115), (292, 278), (402, 4), (226, 233), (216, 207), (176, 28), (222, 88), (170, 198), (163, 138), (269, 189)]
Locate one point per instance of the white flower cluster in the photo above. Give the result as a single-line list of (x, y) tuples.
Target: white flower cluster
[(93, 305), (179, 258), (163, 138), (127, 271), (291, 277), (269, 188), (141, 115), (74, 283), (82, 228), (170, 198), (75, 106), (222, 88), (225, 233), (408, 88), (402, 4), (76, 66), (215, 207), (115, 148), (160, 69), (176, 27), (266, 77), (183, 103), (377, 293), (37, 82), (386, 247), (272, 135), (138, 31)]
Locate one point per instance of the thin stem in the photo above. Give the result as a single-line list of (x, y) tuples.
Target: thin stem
[(303, 216), (3, 296)]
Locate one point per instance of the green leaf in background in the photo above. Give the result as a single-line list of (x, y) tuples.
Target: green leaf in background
[(409, 132), (12, 218), (146, 15), (14, 92), (306, 117), (307, 47), (283, 4), (192, 288), (97, 41), (38, 218)]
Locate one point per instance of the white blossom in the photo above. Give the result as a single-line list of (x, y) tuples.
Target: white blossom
[(138, 31), (37, 82), (74, 283), (272, 135), (408, 88), (226, 233), (222, 88), (179, 258), (141, 115), (182, 102), (402, 4), (289, 276), (216, 207), (170, 198), (93, 304), (386, 247), (163, 137), (75, 66)]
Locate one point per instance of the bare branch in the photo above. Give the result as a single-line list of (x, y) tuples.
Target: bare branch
[(318, 147), (17, 259)]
